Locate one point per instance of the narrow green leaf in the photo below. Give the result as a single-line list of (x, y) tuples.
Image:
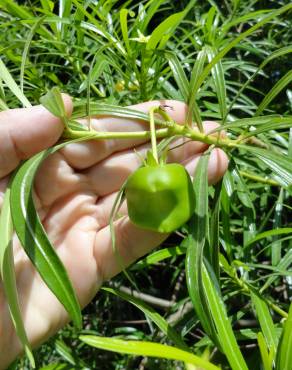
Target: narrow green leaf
[(96, 26), (203, 291), (16, 10), (240, 335), (290, 143), (26, 49), (249, 214), (47, 5), (260, 124), (124, 27), (279, 164), (214, 230), (165, 29), (265, 320), (96, 69), (226, 198), (64, 351), (284, 263), (11, 84), (153, 6), (193, 109), (284, 353), (64, 12), (53, 102), (158, 256), (161, 323), (3, 106), (57, 366), (113, 214), (264, 351), (224, 330), (178, 74), (267, 234), (34, 238), (276, 89), (195, 242), (112, 110), (243, 19), (211, 24), (219, 80), (7, 274), (276, 250), (139, 348)]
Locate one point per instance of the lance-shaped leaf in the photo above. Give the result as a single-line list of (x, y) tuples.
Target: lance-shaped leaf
[(34, 238), (178, 74), (218, 80), (202, 283), (265, 320), (53, 102), (264, 351), (279, 86), (138, 348), (196, 241), (284, 353), (97, 109), (279, 164), (225, 334), (12, 85), (214, 230), (193, 109), (7, 273)]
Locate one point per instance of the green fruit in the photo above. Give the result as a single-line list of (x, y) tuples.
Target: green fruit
[(160, 198)]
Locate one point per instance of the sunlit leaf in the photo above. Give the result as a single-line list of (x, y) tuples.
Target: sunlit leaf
[(146, 349), (284, 353), (34, 238), (11, 84), (7, 274)]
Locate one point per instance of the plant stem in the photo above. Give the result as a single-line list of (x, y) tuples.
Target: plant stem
[(169, 130), (245, 287), (257, 178), (153, 133)]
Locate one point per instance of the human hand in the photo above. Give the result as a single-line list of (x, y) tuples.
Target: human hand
[(74, 193)]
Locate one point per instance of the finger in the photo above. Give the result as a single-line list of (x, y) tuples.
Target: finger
[(109, 175), (131, 242), (84, 155), (56, 180), (24, 132), (65, 215), (217, 165)]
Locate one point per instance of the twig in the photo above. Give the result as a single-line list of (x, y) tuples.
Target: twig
[(158, 302)]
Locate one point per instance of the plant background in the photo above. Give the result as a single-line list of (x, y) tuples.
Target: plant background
[(94, 60)]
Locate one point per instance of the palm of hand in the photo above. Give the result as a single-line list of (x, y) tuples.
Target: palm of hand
[(74, 194)]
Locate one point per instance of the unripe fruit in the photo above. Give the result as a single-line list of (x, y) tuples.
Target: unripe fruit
[(160, 198)]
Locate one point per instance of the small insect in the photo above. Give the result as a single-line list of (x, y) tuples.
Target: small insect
[(163, 106)]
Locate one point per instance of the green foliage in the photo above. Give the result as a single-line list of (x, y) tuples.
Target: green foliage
[(34, 239), (230, 62)]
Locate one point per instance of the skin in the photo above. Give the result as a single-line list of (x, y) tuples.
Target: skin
[(74, 193)]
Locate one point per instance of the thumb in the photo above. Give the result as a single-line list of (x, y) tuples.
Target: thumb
[(27, 131)]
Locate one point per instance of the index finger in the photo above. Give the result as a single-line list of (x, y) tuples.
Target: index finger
[(27, 131)]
